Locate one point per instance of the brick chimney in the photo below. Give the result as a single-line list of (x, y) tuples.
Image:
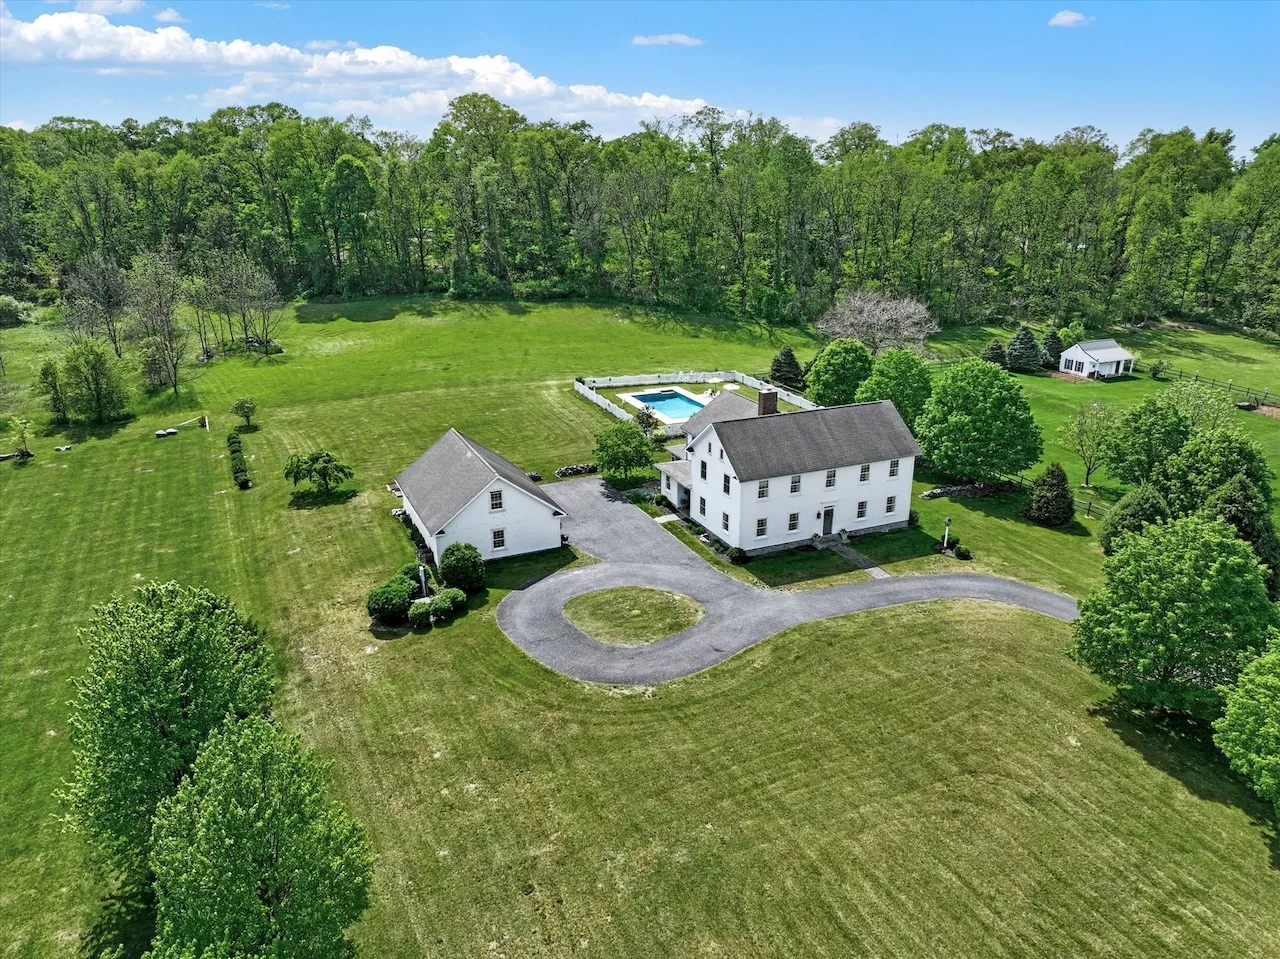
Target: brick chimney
[(766, 402)]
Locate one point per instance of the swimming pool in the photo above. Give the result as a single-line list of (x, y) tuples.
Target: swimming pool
[(675, 407)]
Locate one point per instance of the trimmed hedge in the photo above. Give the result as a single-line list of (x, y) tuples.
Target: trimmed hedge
[(239, 465)]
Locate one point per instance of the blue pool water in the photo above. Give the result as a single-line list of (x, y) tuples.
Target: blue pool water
[(669, 403)]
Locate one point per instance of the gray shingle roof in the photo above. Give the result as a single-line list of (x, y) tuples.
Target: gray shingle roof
[(449, 475), (784, 443), (678, 470), (727, 405)]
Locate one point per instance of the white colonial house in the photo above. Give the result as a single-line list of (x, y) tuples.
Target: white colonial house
[(1096, 359), (775, 480), (461, 492)]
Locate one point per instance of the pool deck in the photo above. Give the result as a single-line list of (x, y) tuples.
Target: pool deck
[(631, 399)]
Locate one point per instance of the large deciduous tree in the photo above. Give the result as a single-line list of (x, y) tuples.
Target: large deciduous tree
[(164, 669), (1205, 463), (251, 856), (901, 377), (1143, 438), (1184, 605), (878, 320), (156, 292), (1131, 514), (1248, 732), (838, 371), (92, 382), (97, 299), (977, 423)]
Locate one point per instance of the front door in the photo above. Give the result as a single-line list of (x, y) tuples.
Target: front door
[(828, 520)]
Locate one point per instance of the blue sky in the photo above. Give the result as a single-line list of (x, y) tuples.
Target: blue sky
[(1033, 68)]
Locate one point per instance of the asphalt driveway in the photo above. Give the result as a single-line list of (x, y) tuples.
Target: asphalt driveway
[(636, 551)]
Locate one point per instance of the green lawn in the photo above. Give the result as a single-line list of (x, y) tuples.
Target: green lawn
[(790, 569), (632, 615), (878, 785)]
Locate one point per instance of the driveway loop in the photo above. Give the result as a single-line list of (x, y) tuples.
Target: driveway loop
[(635, 551)]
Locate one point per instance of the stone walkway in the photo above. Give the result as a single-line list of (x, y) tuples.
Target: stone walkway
[(635, 551), (858, 560)]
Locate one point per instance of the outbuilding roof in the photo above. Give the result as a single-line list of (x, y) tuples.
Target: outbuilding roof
[(1104, 351), (444, 479), (726, 405), (785, 443)]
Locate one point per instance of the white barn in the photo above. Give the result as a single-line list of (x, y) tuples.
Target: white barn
[(774, 481), (461, 492), (1096, 359)]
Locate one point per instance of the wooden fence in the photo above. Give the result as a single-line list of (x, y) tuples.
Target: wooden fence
[(1090, 507), (1247, 394)]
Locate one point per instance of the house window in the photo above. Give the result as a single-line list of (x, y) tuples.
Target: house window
[(795, 483), (864, 472), (668, 480), (762, 489), (495, 499), (762, 527), (891, 504), (708, 447), (793, 522), (1079, 366), (724, 522), (702, 506), (862, 509), (831, 478), (702, 468), (893, 467), (499, 539), (725, 484)]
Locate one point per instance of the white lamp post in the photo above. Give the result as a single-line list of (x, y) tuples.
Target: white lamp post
[(946, 533)]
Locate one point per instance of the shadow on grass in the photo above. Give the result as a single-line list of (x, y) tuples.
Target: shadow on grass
[(126, 921), (896, 546), (519, 572), (80, 432), (1008, 506), (315, 499), (364, 311), (1184, 749), (253, 428)]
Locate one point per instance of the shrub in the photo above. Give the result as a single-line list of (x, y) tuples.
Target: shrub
[(963, 552), (410, 572), (738, 556), (462, 567), (389, 603), (239, 465), (446, 604), (913, 518), (1158, 368), (1051, 502), (420, 614), (12, 313)]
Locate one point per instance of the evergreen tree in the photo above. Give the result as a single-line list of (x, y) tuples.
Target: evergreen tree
[(785, 369), (994, 353), (1024, 355), (1131, 514), (1051, 502), (1052, 348)]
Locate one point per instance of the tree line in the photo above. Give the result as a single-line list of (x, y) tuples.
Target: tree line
[(707, 212)]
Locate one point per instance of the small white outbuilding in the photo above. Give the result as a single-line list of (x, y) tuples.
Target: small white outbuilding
[(1096, 359), (461, 492)]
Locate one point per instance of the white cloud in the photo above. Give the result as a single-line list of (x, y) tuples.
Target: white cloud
[(385, 81), (105, 7), (19, 125), (666, 39), (272, 5), (1069, 18), (170, 15), (323, 44)]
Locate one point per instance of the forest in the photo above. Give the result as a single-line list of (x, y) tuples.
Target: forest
[(709, 213)]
